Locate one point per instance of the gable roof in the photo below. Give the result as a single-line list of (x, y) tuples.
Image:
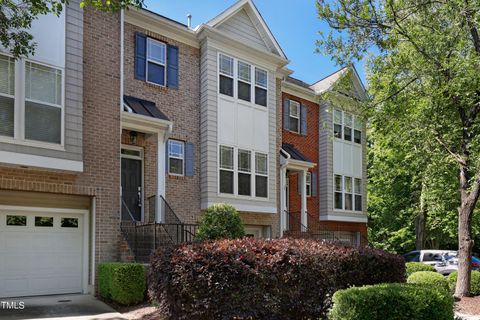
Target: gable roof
[(328, 82), (253, 14)]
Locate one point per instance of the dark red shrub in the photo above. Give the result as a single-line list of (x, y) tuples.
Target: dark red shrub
[(255, 279)]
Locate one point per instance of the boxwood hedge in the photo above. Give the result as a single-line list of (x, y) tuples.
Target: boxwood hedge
[(428, 278), (124, 283), (413, 267)]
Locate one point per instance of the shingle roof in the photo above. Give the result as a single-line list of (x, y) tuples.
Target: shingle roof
[(294, 153), (144, 107), (298, 82)]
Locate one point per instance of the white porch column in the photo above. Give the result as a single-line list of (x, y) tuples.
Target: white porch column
[(283, 200), (302, 179), (161, 169)]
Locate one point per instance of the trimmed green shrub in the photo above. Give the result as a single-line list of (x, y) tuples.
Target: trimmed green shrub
[(474, 283), (413, 267), (221, 221), (428, 278), (395, 301), (123, 283), (262, 279)]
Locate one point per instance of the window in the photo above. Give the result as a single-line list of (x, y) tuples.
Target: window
[(348, 193), (16, 220), (43, 103), (337, 123), (156, 61), (358, 194), (244, 172), (308, 183), (69, 223), (176, 157), (412, 257), (347, 126), (338, 192), (244, 79), (261, 82), (261, 175), (294, 116), (226, 75), (357, 133), (226, 169), (43, 221), (40, 100), (7, 96)]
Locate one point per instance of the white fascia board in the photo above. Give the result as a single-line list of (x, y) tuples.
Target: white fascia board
[(157, 24), (137, 122), (300, 92), (243, 207), (358, 218), (30, 160)]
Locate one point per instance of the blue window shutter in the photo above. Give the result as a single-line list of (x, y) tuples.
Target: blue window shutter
[(314, 184), (286, 114), (303, 120), (189, 159), (172, 67), (166, 156), (140, 56)]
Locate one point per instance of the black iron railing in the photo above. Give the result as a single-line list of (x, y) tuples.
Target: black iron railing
[(144, 237)]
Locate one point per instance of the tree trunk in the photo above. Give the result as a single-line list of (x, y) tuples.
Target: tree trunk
[(421, 221), (465, 244)]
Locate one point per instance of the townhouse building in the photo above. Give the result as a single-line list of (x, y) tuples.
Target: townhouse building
[(124, 128)]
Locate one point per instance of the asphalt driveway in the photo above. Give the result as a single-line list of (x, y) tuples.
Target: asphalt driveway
[(57, 307)]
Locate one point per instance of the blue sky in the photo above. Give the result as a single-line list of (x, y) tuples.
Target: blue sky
[(294, 24)]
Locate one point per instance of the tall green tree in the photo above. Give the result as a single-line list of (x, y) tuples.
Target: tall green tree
[(16, 17), (427, 71)]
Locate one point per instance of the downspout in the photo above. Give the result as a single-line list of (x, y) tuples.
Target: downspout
[(122, 17), (283, 200)]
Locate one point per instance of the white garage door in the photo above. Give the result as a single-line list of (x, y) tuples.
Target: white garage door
[(41, 252)]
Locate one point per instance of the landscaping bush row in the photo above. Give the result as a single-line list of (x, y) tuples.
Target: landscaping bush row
[(123, 283), (413, 267), (474, 282), (395, 301), (254, 279), (429, 278)]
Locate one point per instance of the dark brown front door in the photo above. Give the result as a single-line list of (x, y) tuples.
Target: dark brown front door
[(131, 189)]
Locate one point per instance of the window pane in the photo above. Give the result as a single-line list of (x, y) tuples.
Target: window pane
[(43, 221), (261, 96), (357, 136), (243, 71), (244, 185), (175, 148), (130, 152), (338, 200), (308, 183), (156, 51), (337, 130), (294, 107), (43, 83), (6, 116), (156, 73), (226, 86), (347, 118), (244, 160), (337, 116), (338, 183), (358, 202), (176, 166), (16, 220), (7, 75), (244, 91), (226, 157), (348, 202), (358, 123), (226, 65), (42, 122), (294, 124), (261, 77), (226, 181), (69, 223), (261, 184), (348, 184), (358, 185), (347, 133), (261, 163)]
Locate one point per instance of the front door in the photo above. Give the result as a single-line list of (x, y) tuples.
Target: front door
[(131, 189)]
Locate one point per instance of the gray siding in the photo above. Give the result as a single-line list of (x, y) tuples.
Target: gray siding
[(241, 28), (73, 92), (325, 161)]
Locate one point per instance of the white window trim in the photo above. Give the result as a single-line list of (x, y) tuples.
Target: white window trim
[(243, 171), (297, 117), (176, 157), (308, 183), (235, 79), (261, 174), (235, 171), (19, 108), (342, 127), (343, 192), (355, 193), (156, 62)]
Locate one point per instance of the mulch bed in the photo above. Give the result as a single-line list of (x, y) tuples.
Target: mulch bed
[(469, 305)]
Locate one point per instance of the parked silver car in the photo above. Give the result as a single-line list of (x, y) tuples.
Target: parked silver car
[(444, 261)]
